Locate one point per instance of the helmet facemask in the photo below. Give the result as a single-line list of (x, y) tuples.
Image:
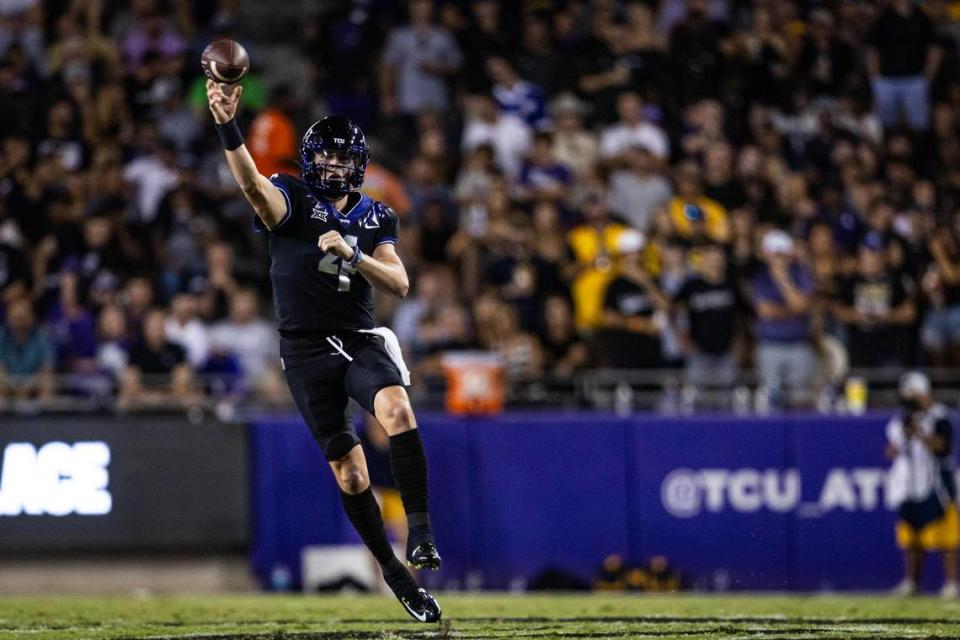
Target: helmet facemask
[(333, 172)]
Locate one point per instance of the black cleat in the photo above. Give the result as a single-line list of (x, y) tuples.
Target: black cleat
[(424, 556), (421, 606)]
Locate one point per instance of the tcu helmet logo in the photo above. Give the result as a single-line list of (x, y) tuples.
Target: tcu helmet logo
[(339, 140)]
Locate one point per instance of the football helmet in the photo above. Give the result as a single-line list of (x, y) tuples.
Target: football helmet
[(333, 156)]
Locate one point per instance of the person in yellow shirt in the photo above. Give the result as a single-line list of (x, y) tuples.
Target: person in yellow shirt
[(596, 256), (687, 219)]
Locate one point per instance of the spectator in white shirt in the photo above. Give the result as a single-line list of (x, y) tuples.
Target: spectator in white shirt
[(417, 59), (153, 175), (184, 328), (633, 130), (573, 144), (637, 189), (113, 348), (508, 134), (252, 341)]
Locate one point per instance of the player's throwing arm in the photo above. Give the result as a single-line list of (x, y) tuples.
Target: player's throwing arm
[(265, 199)]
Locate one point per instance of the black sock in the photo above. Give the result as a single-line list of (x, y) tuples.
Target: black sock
[(364, 514), (397, 577), (410, 473), (418, 525)]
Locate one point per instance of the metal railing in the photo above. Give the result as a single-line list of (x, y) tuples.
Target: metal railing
[(610, 390)]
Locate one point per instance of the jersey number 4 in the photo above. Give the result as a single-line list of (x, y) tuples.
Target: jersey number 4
[(334, 265)]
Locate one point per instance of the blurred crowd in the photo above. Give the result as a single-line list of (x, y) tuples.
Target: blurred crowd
[(738, 189)]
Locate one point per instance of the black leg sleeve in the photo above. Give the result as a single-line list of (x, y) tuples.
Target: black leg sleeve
[(410, 471), (364, 514)]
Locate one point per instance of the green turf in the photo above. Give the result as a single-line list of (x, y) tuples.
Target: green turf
[(478, 617)]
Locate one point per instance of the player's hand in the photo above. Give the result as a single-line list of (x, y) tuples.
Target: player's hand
[(333, 242), (223, 102)]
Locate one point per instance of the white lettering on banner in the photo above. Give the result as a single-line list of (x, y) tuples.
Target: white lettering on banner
[(58, 479), (686, 493), (714, 481), (783, 500), (868, 483), (838, 492), (680, 493), (744, 491)]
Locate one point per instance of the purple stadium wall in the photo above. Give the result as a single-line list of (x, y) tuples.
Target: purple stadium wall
[(791, 502)]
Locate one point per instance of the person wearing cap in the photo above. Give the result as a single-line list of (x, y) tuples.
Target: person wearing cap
[(633, 312), (782, 293), (876, 308), (573, 145), (922, 483)]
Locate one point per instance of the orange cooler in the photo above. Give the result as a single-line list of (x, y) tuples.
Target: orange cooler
[(475, 383)]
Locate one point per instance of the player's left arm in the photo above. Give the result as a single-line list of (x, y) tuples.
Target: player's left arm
[(384, 269)]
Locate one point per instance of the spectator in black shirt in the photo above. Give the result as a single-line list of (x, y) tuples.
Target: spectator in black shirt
[(876, 307), (537, 60), (158, 374), (13, 267), (602, 72), (698, 46), (940, 333), (97, 257), (825, 62), (720, 182), (564, 350), (632, 314), (485, 37), (902, 58), (707, 307)]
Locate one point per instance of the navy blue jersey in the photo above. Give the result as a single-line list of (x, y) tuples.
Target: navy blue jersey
[(314, 291)]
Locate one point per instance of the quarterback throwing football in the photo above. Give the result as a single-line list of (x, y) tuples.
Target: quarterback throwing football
[(330, 245)]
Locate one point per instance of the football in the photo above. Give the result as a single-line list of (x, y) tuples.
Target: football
[(225, 61)]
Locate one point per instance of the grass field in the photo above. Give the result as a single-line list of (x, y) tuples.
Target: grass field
[(478, 616)]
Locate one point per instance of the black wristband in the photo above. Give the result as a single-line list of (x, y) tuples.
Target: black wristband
[(230, 134)]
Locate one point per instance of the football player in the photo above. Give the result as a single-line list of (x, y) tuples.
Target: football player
[(330, 245)]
